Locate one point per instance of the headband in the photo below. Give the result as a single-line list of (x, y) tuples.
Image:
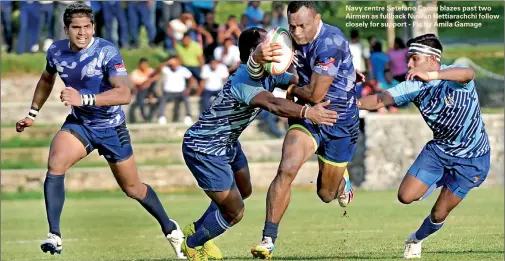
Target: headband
[(417, 48)]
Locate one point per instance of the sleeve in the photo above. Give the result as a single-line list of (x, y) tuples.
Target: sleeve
[(282, 80), (205, 72), (328, 55), (186, 73), (50, 66), (224, 71), (113, 62), (245, 93), (217, 53), (405, 92)]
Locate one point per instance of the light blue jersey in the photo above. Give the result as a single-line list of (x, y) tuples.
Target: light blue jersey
[(88, 71), (220, 126), (451, 110)]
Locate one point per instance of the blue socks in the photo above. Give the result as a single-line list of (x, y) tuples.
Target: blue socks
[(270, 230), (427, 228), (212, 226), (54, 196), (153, 205), (212, 207)]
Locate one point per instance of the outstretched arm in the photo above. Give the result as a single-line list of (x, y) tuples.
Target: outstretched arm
[(459, 75), (376, 101), (402, 93)]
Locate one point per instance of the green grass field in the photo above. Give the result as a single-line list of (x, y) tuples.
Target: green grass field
[(108, 226)]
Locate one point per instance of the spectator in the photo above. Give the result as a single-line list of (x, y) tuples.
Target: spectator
[(244, 22), (229, 55), (358, 52), (200, 9), (59, 27), (279, 17), (144, 88), (229, 30), (266, 23), (6, 16), (178, 27), (176, 82), (140, 12), (29, 20), (379, 62), (46, 18), (214, 76), (399, 58), (254, 14), (171, 10), (111, 10), (209, 30), (191, 55)]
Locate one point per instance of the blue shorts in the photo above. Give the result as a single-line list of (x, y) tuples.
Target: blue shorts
[(334, 145), (433, 166), (113, 143), (215, 173)]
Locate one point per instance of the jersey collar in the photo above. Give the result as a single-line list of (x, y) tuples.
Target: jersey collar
[(90, 43), (318, 30)]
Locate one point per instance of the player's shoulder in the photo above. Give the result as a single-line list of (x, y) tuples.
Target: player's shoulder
[(330, 36), (58, 46)]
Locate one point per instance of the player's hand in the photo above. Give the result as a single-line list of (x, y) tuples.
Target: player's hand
[(319, 115), (267, 53), (70, 97), (417, 74), (289, 93), (24, 123), (360, 77)]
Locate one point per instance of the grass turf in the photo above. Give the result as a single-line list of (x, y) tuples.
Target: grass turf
[(108, 226)]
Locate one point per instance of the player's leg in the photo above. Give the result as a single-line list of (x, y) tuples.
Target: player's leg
[(330, 180), (299, 145), (69, 146), (461, 175), (116, 148)]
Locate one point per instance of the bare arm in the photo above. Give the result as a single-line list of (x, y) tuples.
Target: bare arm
[(376, 101), (461, 75), (316, 90), (119, 94), (43, 89)]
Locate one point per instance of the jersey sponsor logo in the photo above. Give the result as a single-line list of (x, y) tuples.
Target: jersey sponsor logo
[(120, 67), (325, 65)]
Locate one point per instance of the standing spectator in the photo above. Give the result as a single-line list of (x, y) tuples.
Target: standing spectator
[(279, 17), (214, 76), (6, 16), (379, 62), (229, 30), (399, 57), (178, 27), (254, 14), (144, 89), (266, 23), (244, 22), (191, 54), (111, 10), (59, 27), (29, 20), (359, 59), (209, 30), (139, 13), (176, 82), (46, 18), (171, 10), (200, 9), (228, 54)]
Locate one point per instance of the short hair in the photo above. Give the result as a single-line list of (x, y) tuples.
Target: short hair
[(143, 60), (399, 42), (430, 40), (77, 9), (377, 47), (231, 17), (249, 39), (354, 33), (294, 6), (186, 34)]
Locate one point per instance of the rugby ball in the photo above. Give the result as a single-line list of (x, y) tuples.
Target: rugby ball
[(282, 36)]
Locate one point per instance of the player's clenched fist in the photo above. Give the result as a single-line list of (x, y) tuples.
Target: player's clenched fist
[(70, 97), (267, 52), (24, 123)]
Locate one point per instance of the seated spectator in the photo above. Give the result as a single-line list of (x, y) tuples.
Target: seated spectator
[(176, 81), (144, 88), (266, 23), (229, 55), (254, 14), (244, 22), (229, 30), (214, 76), (209, 30), (279, 17), (191, 55), (178, 27)]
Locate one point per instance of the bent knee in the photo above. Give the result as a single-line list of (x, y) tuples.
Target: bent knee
[(234, 216), (133, 191), (58, 165), (438, 215), (288, 171), (246, 192), (406, 198), (326, 196)]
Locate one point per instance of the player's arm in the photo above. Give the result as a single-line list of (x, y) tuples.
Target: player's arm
[(316, 90), (120, 93), (456, 74), (402, 93), (44, 88)]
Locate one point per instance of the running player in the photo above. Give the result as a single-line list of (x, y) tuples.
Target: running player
[(458, 156), (323, 62), (97, 84), (212, 151)]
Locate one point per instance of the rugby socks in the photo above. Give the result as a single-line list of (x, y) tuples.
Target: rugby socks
[(54, 196), (270, 230), (429, 191), (153, 205), (213, 225), (212, 207), (427, 228)]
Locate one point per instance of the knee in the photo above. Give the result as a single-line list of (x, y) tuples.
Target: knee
[(326, 196), (233, 216), (57, 165), (438, 215), (246, 192), (287, 171), (406, 198), (133, 191)]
